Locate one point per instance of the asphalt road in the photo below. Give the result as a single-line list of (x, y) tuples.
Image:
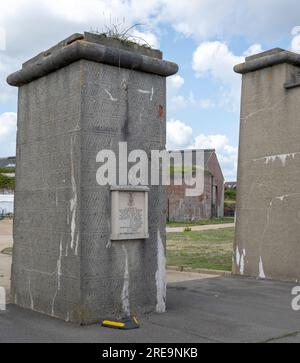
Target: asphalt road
[(221, 309)]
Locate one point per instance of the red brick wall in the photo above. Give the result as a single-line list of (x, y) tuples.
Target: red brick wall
[(183, 208)]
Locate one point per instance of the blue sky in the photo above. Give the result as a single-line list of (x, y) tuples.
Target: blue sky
[(205, 37)]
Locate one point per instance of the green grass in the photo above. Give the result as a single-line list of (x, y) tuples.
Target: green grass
[(230, 202), (207, 249), (201, 223), (7, 170)]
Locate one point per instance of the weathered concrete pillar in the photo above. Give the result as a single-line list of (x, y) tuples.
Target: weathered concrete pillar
[(86, 94), (267, 243)]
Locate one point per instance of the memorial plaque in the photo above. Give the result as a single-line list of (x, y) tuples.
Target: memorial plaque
[(129, 213)]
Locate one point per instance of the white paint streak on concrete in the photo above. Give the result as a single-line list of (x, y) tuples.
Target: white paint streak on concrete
[(242, 265), (261, 269), (237, 257), (283, 197), (58, 272), (73, 204), (240, 260), (30, 294), (243, 261), (3, 299), (161, 276), (146, 92), (143, 91), (59, 265), (282, 157), (110, 96), (77, 244), (125, 291), (152, 94)]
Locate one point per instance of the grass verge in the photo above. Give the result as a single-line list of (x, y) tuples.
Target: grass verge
[(202, 223), (206, 249)]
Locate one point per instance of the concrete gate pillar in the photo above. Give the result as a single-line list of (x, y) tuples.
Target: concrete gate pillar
[(71, 258), (267, 243)]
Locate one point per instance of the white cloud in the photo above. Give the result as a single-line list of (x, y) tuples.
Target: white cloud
[(178, 102), (295, 45), (175, 101), (175, 83), (215, 60), (8, 126), (254, 49), (204, 103), (32, 26), (2, 39), (215, 19), (180, 136), (7, 66), (227, 154), (147, 38), (41, 23), (201, 19)]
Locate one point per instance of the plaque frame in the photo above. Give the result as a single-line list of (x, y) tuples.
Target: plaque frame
[(116, 234)]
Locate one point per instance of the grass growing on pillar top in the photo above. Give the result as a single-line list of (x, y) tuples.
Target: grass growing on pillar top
[(206, 249), (116, 31)]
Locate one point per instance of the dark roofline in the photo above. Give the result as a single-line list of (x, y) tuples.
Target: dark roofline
[(181, 151), (8, 158)]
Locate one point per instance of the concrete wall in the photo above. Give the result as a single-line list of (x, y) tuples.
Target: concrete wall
[(268, 203), (64, 263)]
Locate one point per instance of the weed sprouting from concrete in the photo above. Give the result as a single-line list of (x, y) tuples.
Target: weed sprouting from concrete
[(119, 31)]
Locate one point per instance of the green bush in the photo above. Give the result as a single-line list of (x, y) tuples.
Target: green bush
[(230, 194), (7, 182)]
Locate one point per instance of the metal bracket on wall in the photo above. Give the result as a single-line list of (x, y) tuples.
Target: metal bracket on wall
[(293, 82)]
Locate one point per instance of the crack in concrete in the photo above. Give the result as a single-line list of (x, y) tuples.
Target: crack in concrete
[(284, 336)]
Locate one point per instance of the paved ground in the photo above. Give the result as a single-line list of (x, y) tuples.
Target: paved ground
[(206, 308), (5, 260), (222, 309), (180, 276), (6, 239), (200, 228)]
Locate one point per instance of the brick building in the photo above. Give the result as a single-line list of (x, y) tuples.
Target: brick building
[(208, 205)]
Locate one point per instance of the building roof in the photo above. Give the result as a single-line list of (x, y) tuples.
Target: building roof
[(207, 153), (230, 185), (9, 162)]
